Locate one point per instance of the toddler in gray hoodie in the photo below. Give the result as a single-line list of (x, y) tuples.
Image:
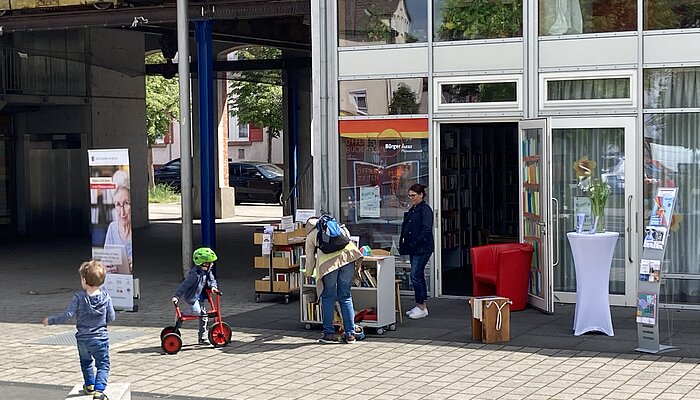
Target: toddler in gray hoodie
[(93, 310)]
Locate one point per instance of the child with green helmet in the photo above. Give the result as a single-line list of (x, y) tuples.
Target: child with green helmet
[(199, 277)]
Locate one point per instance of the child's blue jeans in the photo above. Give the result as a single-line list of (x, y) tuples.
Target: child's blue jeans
[(198, 308), (90, 349)]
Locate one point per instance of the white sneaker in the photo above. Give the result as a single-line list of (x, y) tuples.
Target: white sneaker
[(409, 312), (418, 313)]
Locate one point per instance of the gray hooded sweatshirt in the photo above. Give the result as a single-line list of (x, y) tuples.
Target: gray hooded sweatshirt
[(92, 314)]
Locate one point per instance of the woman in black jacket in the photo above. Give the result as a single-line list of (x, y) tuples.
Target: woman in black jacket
[(417, 242)]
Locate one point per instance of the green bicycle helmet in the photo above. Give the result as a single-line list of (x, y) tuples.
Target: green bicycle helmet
[(202, 255)]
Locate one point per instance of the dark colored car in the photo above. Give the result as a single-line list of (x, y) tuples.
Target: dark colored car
[(256, 181), (169, 174), (253, 181)]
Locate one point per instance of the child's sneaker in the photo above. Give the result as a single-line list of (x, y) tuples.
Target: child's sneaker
[(99, 396), (328, 339), (350, 339), (88, 389), (203, 341)]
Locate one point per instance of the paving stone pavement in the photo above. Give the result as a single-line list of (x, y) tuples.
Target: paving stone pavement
[(284, 365), (288, 364)]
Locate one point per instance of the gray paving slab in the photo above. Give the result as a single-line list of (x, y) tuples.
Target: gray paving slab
[(273, 356)]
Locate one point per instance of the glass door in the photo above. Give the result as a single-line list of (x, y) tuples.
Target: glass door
[(6, 178), (535, 209), (582, 150)]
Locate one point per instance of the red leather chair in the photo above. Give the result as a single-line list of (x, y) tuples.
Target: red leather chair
[(503, 270)]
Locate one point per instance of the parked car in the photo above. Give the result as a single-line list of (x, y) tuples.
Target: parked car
[(256, 181), (168, 174), (253, 181)]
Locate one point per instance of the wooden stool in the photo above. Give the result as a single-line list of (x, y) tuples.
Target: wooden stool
[(398, 299)]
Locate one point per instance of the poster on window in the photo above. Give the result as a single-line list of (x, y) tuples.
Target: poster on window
[(110, 217), (369, 202), (381, 160)]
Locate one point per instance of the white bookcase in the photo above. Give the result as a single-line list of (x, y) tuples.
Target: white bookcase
[(381, 297)]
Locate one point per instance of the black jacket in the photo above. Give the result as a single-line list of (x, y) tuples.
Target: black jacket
[(417, 230)]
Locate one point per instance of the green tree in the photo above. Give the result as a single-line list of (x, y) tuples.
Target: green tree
[(256, 96), (162, 99), (403, 101)]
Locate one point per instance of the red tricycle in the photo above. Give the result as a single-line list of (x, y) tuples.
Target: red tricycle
[(219, 333)]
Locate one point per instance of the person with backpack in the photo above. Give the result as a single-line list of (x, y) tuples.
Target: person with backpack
[(417, 242), (334, 260)]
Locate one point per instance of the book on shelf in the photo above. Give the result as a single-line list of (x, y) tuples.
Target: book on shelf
[(531, 174), (530, 147), (370, 279)]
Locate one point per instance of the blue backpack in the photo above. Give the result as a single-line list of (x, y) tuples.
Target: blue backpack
[(330, 235)]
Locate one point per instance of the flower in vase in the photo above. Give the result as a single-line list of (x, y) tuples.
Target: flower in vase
[(584, 170), (598, 192), (584, 167)]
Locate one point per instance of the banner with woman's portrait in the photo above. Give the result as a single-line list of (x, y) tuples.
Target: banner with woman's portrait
[(110, 216)]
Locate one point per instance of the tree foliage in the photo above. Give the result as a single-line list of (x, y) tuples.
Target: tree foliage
[(256, 96), (162, 99), (404, 101)]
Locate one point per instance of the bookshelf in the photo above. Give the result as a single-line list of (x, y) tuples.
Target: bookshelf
[(282, 265), (486, 206), (377, 292), (531, 149)]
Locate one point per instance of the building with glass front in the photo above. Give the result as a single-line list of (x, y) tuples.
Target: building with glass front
[(442, 92)]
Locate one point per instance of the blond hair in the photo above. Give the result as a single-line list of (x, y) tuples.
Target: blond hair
[(93, 272)]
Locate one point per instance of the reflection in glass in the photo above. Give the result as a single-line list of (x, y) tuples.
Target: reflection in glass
[(477, 19), (479, 92), (588, 89), (605, 147), (398, 96), (379, 161), (672, 88), (672, 159), (671, 14), (571, 17), (370, 22)]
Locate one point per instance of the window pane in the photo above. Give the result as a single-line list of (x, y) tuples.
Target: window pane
[(672, 159), (477, 19), (379, 161), (384, 96), (589, 89), (571, 17), (672, 87), (461, 93), (368, 22), (671, 14)]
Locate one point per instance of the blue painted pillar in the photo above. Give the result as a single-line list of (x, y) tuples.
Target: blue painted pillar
[(293, 134), (207, 138)]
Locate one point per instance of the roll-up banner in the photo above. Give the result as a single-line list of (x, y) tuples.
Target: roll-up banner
[(110, 216)]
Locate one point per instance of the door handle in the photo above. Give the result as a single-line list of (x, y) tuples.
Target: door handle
[(629, 229), (555, 229)]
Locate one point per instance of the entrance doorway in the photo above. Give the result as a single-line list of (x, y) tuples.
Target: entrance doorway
[(478, 196), (6, 176)]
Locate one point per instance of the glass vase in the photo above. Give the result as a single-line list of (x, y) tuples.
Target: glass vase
[(599, 212)]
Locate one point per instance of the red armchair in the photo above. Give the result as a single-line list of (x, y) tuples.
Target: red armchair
[(503, 270)]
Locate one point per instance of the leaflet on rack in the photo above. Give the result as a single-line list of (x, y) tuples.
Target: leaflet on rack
[(649, 270)]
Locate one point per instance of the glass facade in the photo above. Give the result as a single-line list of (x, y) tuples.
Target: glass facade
[(574, 17), (381, 157), (477, 19), (399, 96), (373, 22), (671, 14)]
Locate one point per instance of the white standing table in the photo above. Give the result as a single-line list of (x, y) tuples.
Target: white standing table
[(593, 255)]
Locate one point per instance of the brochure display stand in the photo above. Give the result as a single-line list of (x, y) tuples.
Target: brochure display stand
[(649, 285)]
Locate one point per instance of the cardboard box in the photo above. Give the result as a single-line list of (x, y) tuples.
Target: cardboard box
[(487, 329), (262, 286), (280, 287), (283, 238), (277, 262)]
